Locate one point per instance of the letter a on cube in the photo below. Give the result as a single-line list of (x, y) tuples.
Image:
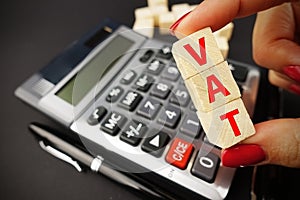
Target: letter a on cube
[(228, 124), (213, 88), (196, 53)]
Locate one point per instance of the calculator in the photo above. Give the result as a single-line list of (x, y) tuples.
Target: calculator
[(123, 95)]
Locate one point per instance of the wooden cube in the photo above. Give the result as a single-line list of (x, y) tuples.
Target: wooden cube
[(144, 27), (226, 31), (165, 21), (213, 88), (142, 13), (196, 53), (227, 125), (180, 9), (193, 7), (223, 45), (153, 3), (157, 11)]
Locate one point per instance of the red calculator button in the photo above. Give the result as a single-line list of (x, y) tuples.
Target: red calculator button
[(179, 153)]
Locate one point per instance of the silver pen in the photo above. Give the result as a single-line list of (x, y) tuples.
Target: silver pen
[(66, 152)]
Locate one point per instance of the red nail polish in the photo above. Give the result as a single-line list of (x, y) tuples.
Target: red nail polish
[(174, 26), (295, 88), (242, 155), (293, 72)]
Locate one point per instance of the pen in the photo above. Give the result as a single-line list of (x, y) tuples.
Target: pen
[(67, 152)]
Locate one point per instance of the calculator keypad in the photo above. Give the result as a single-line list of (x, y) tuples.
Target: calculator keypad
[(149, 108)]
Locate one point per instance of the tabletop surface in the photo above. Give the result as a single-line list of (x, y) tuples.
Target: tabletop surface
[(32, 33)]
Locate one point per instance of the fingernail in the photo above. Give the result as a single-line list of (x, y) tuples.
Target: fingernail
[(295, 88), (293, 72), (174, 26), (242, 155)]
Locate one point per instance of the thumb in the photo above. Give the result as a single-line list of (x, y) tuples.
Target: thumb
[(275, 142)]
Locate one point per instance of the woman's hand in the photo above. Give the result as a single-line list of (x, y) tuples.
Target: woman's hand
[(275, 46)]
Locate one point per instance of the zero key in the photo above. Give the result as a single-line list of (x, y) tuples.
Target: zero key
[(206, 166)]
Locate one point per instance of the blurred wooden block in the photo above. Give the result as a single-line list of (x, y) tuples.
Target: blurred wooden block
[(213, 88), (165, 21), (226, 31), (157, 11), (144, 26), (193, 7), (143, 13), (196, 53), (153, 3), (227, 125), (223, 45), (180, 9)]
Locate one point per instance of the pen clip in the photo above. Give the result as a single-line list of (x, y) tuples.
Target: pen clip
[(58, 154)]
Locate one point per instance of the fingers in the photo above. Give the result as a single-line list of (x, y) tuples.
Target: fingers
[(216, 14), (275, 142), (273, 39), (281, 80)]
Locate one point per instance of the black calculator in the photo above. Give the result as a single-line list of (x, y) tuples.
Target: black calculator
[(124, 96)]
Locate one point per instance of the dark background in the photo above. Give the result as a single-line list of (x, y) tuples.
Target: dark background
[(32, 32)]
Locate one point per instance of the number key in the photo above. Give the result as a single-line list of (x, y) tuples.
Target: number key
[(161, 90), (171, 73), (206, 166), (191, 126), (180, 96), (149, 108), (170, 117)]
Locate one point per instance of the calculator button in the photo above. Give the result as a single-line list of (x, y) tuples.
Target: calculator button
[(239, 73), (170, 116), (165, 52), (144, 82), (128, 77), (147, 55), (97, 115), (179, 153), (206, 166), (131, 100), (155, 67), (149, 108), (114, 94), (191, 126), (171, 73), (156, 143), (161, 90), (113, 123), (133, 133), (180, 96)]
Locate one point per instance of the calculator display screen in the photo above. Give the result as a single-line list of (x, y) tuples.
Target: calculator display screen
[(94, 70)]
